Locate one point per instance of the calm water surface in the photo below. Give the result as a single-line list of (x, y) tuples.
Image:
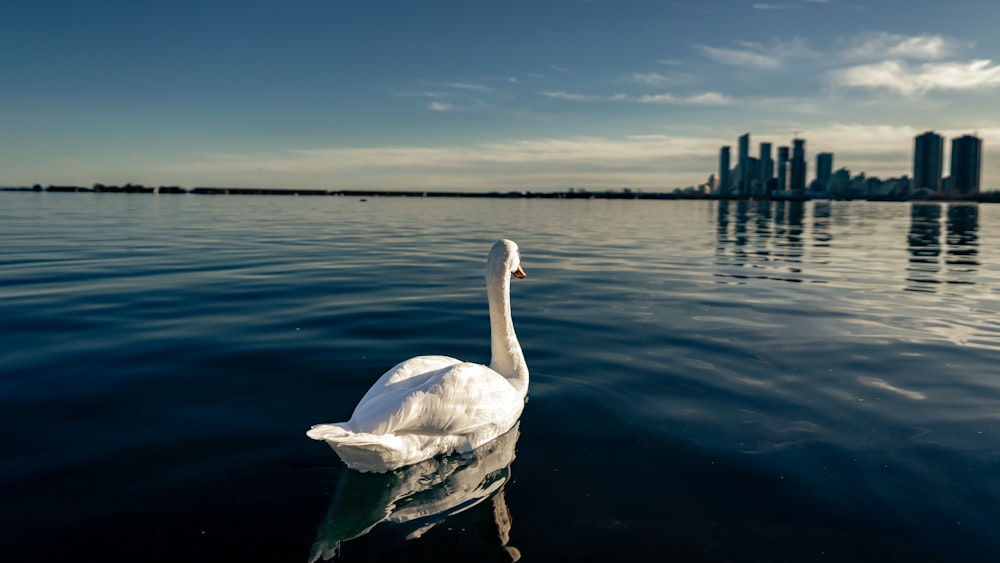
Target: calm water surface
[(710, 381)]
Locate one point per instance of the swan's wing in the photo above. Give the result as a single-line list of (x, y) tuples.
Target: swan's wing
[(451, 400), (414, 367), (405, 375)]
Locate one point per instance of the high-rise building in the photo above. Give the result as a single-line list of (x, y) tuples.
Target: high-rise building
[(744, 164), (753, 173), (966, 164), (766, 166), (798, 168), (928, 158), (724, 179), (824, 168), (782, 169)]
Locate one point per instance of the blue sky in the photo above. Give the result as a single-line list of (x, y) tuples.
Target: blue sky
[(481, 95)]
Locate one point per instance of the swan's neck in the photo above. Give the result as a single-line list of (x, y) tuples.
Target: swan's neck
[(507, 360)]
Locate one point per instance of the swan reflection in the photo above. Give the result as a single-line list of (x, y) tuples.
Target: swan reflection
[(418, 497)]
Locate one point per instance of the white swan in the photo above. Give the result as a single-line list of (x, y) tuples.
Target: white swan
[(431, 405)]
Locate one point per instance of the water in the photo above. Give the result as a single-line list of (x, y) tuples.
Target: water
[(710, 381)]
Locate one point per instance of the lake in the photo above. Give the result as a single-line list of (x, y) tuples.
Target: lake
[(710, 381)]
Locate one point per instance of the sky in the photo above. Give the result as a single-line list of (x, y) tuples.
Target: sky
[(481, 96)]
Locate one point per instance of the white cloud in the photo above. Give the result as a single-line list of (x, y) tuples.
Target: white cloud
[(898, 76), (440, 106), (660, 79), (659, 99), (706, 99), (922, 47), (862, 138), (650, 78), (744, 58), (709, 98), (472, 87), (761, 6), (560, 95), (796, 47), (879, 45)]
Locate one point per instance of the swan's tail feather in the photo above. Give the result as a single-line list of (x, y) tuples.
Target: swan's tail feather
[(361, 450), (338, 433)]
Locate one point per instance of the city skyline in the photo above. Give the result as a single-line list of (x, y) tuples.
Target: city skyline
[(547, 94), (757, 176)]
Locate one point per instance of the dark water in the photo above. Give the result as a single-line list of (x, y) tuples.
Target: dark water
[(710, 381)]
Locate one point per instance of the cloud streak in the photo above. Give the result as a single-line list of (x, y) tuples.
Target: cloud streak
[(763, 6), (744, 58), (457, 96), (575, 97), (791, 6), (702, 99), (705, 99), (649, 78)]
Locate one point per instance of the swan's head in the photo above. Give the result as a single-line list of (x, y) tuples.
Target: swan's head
[(504, 259)]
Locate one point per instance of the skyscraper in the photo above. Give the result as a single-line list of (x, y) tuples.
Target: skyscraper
[(753, 173), (928, 157), (766, 171), (966, 163), (782, 168), (824, 168), (744, 164), (724, 179), (798, 172)]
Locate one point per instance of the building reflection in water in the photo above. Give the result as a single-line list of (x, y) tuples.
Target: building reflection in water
[(766, 237), (821, 234), (412, 500), (924, 244), (763, 227), (963, 242), (775, 239), (722, 228), (933, 261)]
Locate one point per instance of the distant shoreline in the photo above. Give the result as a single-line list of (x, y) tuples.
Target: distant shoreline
[(984, 197)]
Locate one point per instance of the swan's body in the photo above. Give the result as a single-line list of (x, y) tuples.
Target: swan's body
[(431, 405)]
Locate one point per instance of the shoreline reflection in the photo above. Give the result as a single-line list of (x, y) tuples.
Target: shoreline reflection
[(416, 498)]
